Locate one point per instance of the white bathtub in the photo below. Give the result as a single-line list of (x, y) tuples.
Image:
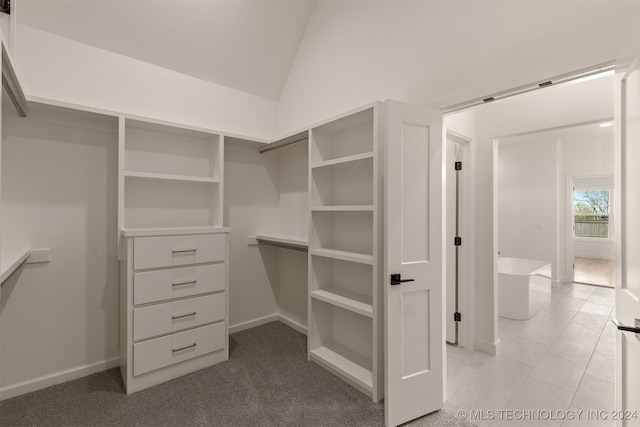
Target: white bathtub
[(518, 297)]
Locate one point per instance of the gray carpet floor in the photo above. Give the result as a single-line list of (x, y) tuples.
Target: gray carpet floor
[(267, 382)]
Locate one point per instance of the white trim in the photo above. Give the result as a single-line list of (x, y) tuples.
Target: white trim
[(487, 346), (114, 113), (467, 230), (239, 327), (292, 324), (276, 317), (60, 377)]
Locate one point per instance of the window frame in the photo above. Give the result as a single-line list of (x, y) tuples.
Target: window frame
[(609, 214)]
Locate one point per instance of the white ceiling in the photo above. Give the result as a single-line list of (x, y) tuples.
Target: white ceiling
[(587, 132), (247, 45)]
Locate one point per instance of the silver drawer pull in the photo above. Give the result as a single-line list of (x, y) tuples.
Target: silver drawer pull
[(175, 350), (183, 315), (192, 282), (183, 251)]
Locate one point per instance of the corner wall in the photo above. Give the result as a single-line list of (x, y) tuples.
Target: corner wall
[(64, 72)]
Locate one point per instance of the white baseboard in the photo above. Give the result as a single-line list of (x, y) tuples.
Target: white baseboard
[(49, 380), (277, 317), (487, 346), (292, 324), (253, 323)]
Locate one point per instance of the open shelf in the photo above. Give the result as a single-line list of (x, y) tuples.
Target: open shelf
[(283, 240), (351, 301), (342, 231), (344, 256), (342, 283), (343, 138), (343, 342), (355, 160), (167, 203), (343, 362), (11, 259), (349, 184), (165, 150), (168, 177)]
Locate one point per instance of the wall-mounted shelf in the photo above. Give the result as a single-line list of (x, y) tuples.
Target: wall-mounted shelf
[(169, 177), (347, 161), (11, 259), (343, 208), (285, 241)]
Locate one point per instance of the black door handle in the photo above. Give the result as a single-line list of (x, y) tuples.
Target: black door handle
[(622, 327), (396, 279)]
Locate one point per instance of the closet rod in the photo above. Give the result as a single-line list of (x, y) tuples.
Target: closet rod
[(12, 86), (293, 139), (283, 245)]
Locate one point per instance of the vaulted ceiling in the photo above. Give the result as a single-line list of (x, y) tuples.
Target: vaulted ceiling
[(251, 45), (247, 45)]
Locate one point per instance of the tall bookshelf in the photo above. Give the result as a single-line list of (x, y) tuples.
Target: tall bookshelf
[(345, 300), (170, 177)]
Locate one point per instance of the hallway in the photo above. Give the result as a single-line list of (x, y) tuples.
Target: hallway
[(563, 358)]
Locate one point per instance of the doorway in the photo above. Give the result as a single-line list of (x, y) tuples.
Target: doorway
[(590, 242), (565, 349)]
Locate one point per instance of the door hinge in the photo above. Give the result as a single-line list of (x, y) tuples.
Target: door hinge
[(458, 166), (457, 317), (457, 241)]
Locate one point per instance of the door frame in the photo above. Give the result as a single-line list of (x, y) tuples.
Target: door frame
[(467, 231), (570, 251)]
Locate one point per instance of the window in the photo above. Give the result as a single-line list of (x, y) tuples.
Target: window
[(591, 213)]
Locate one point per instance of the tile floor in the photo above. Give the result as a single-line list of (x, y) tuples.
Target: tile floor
[(562, 358)]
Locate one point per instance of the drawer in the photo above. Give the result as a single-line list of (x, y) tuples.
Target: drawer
[(174, 316), (165, 351), (169, 251), (162, 285)]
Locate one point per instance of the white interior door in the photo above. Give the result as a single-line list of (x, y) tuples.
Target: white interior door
[(628, 242), (414, 342)]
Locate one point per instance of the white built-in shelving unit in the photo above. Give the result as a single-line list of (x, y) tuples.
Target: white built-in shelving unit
[(173, 252), (345, 305), (170, 176)]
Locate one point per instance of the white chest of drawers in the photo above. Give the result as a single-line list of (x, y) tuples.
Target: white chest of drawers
[(173, 303)]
